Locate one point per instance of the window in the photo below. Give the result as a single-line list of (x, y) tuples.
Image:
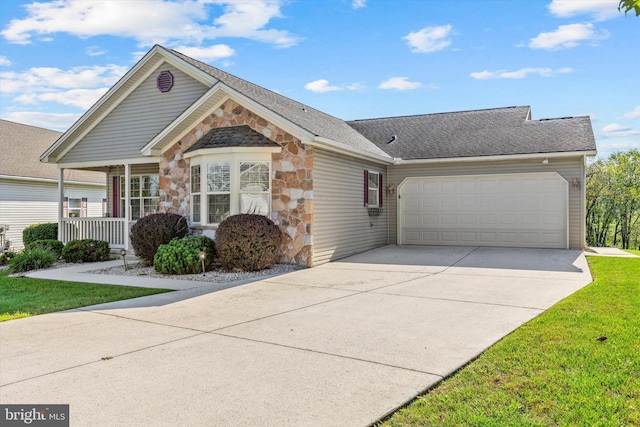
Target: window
[(218, 192), (144, 197), (195, 193), (372, 189), (254, 187), (236, 182), (75, 208)]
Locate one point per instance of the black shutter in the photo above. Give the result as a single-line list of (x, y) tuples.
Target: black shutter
[(366, 188), (380, 189)]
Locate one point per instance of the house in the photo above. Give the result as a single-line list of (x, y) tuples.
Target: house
[(29, 189), (177, 135)]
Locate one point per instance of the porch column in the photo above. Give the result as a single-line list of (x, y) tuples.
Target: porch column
[(127, 203), (60, 203)]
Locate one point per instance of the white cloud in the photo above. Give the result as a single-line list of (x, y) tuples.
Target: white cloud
[(95, 51), (567, 36), (357, 4), (615, 129), (635, 114), (429, 39), (598, 9), (81, 98), (171, 22), (399, 83), (211, 53), (519, 74), (4, 61), (60, 122), (49, 79), (321, 86)]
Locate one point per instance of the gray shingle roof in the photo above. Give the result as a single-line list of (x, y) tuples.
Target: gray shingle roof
[(310, 119), (232, 136), (492, 132), (21, 146)]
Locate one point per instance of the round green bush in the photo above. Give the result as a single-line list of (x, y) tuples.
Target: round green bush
[(86, 250), (182, 256), (151, 231), (247, 242), (31, 260), (46, 231), (50, 245)]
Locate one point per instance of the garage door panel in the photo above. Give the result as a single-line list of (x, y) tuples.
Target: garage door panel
[(518, 210)]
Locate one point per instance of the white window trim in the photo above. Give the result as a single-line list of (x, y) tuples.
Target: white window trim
[(140, 197), (234, 156), (78, 209)]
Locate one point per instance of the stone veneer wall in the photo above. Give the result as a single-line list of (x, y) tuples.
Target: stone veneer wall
[(291, 179)]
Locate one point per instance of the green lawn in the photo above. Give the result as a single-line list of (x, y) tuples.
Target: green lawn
[(23, 296), (553, 371)]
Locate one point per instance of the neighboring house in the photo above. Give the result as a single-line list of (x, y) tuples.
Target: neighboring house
[(29, 189), (177, 135)]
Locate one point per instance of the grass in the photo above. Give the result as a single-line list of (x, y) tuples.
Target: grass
[(23, 296), (553, 371)]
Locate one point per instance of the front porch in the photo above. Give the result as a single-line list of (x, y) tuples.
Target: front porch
[(132, 192), (113, 230)]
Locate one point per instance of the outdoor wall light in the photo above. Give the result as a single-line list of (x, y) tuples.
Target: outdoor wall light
[(202, 255), (123, 253), (575, 183), (391, 189)]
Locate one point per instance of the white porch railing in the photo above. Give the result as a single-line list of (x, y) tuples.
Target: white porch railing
[(110, 229)]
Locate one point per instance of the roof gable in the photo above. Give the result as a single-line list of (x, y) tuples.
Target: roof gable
[(232, 136)]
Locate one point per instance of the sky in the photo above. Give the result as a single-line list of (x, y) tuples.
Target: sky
[(353, 59)]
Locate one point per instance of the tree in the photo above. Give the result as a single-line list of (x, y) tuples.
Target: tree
[(627, 5), (613, 201)]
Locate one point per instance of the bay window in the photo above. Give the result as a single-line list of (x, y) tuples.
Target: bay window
[(236, 182)]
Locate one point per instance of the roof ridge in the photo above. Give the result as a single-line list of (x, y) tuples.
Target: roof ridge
[(441, 113)]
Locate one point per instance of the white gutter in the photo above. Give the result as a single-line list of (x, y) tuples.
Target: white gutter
[(337, 147), (50, 180), (555, 155)]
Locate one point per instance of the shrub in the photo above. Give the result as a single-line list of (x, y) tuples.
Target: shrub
[(5, 257), (46, 231), (247, 242), (50, 245), (31, 260), (86, 250), (182, 256), (154, 230)]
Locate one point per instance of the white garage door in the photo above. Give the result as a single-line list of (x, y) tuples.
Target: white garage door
[(511, 210)]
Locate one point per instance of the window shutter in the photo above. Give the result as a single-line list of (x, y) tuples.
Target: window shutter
[(366, 188), (83, 208), (115, 198), (380, 190), (65, 207)]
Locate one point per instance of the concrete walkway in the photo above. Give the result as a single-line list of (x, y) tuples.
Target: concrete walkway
[(615, 252), (342, 344)]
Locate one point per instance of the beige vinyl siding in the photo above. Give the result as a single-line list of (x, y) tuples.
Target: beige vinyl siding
[(342, 226), (568, 168), (23, 203), (138, 119)]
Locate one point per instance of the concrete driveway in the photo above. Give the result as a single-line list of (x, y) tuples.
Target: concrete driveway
[(341, 344)]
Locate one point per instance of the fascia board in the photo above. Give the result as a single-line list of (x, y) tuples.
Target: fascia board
[(152, 147), (227, 150), (556, 155), (340, 148), (112, 162)]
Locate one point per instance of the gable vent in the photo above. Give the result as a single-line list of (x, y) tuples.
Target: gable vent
[(165, 81)]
